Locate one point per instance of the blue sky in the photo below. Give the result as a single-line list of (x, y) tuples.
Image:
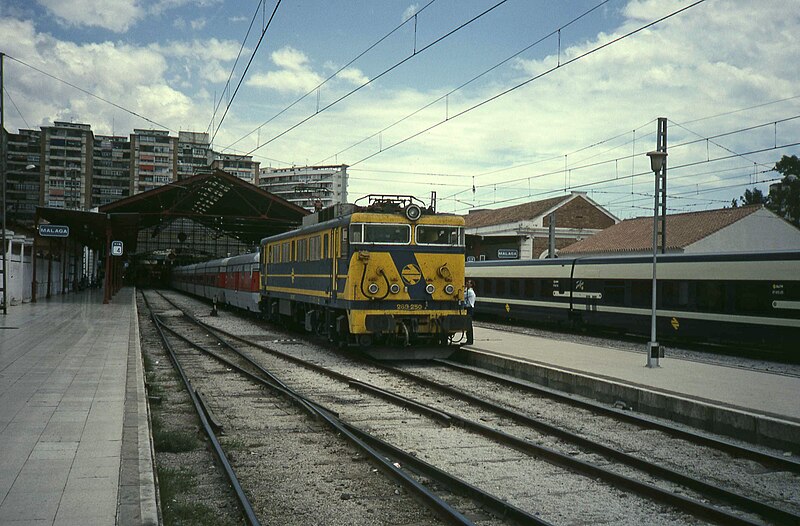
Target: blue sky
[(722, 71)]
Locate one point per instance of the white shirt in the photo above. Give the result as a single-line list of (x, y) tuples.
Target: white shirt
[(469, 297)]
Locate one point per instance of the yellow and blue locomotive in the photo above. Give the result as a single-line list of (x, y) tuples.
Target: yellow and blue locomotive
[(386, 276)]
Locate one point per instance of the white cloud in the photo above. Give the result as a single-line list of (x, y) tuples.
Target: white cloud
[(118, 15), (294, 76), (200, 59), (353, 75), (114, 15), (132, 77), (410, 11), (710, 60)]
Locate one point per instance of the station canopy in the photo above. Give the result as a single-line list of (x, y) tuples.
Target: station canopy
[(218, 201)]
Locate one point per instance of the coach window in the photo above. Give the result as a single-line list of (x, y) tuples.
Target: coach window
[(439, 235), (530, 288), (641, 293), (674, 293), (513, 288), (356, 233), (393, 234), (614, 292), (325, 246), (500, 287), (546, 289), (710, 296), (752, 296)]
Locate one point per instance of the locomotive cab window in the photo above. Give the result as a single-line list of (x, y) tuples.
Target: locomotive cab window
[(380, 233), (439, 235)]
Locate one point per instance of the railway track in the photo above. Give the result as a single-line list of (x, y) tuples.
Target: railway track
[(504, 450), (187, 350)]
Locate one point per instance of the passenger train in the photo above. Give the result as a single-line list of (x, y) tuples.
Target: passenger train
[(750, 299), (384, 276)]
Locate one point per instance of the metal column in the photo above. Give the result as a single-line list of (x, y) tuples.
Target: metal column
[(661, 141)]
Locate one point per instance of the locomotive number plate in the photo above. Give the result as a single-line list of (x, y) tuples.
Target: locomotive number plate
[(409, 306)]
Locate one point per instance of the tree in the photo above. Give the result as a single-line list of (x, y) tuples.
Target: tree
[(784, 197), (753, 197)]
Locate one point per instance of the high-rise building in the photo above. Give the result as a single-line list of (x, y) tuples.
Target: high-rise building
[(67, 166), (241, 166), (23, 175), (307, 186), (111, 170), (194, 153), (67, 150), (154, 162)]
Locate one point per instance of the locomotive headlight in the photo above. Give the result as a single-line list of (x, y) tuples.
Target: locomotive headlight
[(449, 289), (373, 288), (413, 212), (430, 289), (394, 288)]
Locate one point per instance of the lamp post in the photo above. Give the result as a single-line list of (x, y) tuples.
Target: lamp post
[(657, 159)]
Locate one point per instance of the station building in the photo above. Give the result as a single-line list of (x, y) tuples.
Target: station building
[(523, 231)]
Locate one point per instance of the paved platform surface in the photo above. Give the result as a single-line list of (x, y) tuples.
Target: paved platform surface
[(74, 432), (722, 396)]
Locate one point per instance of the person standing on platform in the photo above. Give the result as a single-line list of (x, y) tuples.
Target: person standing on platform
[(469, 300)]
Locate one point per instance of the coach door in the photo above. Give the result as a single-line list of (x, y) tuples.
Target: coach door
[(331, 246)]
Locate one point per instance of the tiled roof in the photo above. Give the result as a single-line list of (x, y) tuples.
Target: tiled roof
[(513, 214), (634, 235)]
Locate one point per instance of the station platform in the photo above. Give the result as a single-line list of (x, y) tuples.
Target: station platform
[(749, 405), (74, 423)]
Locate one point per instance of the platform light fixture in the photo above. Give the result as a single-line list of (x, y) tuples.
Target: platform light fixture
[(657, 159)]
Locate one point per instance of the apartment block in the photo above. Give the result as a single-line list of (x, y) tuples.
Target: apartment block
[(154, 160), (194, 153), (241, 166), (67, 166), (111, 170), (67, 151), (23, 175), (307, 186)]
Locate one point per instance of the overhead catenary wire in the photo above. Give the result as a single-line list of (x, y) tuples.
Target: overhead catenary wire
[(16, 107), (648, 172), (603, 141), (93, 95), (316, 88), (446, 96), (381, 74), (244, 73), (235, 63), (528, 81)]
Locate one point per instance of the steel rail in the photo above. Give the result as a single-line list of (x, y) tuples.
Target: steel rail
[(244, 502), (437, 505), (784, 463), (650, 491), (744, 502), (500, 507)]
